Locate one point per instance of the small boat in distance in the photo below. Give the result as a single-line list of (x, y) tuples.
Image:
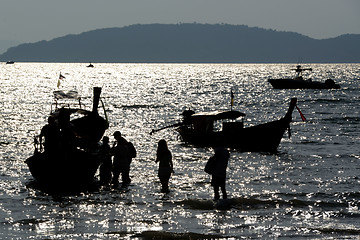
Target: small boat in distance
[(73, 158), (227, 128), (298, 82), (90, 65), (10, 62)]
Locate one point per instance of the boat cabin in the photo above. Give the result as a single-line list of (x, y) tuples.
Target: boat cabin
[(217, 121)]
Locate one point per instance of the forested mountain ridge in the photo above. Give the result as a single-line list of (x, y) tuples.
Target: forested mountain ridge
[(188, 43)]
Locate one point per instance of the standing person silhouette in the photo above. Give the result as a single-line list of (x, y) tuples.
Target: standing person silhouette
[(221, 158), (106, 164), (123, 152), (164, 158)]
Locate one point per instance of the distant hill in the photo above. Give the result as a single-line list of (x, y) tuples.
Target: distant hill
[(5, 44), (190, 43)]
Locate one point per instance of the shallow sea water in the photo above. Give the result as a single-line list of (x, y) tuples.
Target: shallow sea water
[(309, 189)]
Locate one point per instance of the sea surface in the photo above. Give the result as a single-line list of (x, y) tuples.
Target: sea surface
[(309, 189)]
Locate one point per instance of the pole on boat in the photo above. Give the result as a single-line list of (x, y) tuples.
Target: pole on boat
[(172, 125), (291, 108), (96, 99), (186, 121), (288, 117)]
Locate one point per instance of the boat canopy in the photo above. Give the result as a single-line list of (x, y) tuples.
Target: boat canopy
[(219, 115), (69, 95), (66, 100)]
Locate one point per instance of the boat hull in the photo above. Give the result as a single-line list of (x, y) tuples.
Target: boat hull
[(260, 138), (289, 83), (64, 171)]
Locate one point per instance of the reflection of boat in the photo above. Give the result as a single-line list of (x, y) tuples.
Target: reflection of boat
[(227, 128), (72, 164), (299, 82)]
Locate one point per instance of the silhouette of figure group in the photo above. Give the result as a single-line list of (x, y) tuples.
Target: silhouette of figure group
[(116, 160), (123, 151)]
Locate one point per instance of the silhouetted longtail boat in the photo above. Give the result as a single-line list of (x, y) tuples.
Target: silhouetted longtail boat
[(74, 162), (201, 129)]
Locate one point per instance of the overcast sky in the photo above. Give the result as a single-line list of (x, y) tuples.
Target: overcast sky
[(35, 20)]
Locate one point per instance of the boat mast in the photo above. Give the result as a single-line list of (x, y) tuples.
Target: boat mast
[(299, 71), (96, 99)]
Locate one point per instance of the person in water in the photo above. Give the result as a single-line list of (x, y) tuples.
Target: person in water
[(106, 164), (123, 152), (51, 133), (218, 176), (164, 158)]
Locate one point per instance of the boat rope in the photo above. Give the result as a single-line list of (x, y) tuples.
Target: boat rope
[(301, 114), (105, 113)]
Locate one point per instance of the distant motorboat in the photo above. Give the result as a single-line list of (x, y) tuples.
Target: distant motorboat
[(10, 62), (298, 82), (90, 65)]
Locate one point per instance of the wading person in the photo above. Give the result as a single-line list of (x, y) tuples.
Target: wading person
[(106, 164), (218, 175), (164, 158), (123, 152)]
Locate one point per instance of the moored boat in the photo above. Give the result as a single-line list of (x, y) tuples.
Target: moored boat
[(265, 137), (226, 128), (298, 82), (73, 160)]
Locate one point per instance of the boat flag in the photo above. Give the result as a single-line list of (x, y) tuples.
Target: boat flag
[(232, 99), (61, 77), (301, 115)]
